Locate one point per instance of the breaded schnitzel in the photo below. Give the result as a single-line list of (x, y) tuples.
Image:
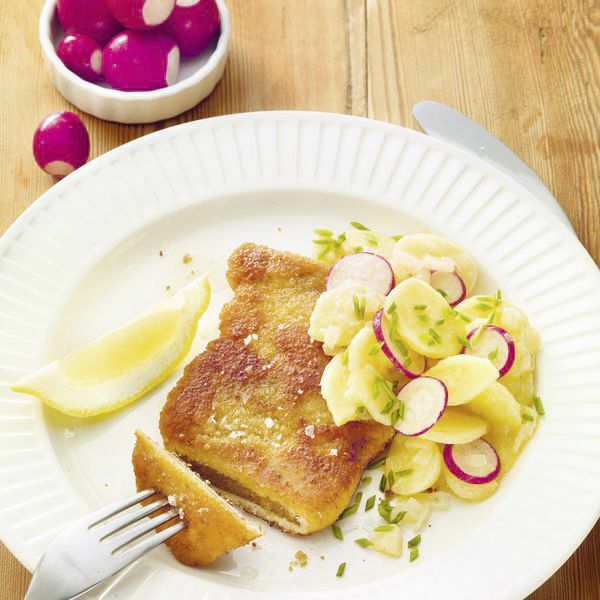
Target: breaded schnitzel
[(213, 526), (248, 413)]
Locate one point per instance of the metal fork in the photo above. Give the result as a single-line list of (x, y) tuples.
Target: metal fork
[(99, 546)]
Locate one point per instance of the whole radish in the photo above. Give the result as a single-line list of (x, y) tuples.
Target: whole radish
[(193, 25), (141, 60), (61, 144), (141, 14), (81, 54), (92, 17)]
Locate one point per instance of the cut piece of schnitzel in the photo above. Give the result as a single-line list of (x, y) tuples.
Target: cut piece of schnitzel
[(248, 413), (213, 526)]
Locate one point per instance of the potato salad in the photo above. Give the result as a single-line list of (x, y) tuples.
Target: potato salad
[(414, 348)]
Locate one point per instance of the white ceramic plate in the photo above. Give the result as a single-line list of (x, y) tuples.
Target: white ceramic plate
[(86, 257)]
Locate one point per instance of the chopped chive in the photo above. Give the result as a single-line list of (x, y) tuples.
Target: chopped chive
[(462, 341), (397, 237), (475, 339), (391, 479), (377, 463), (420, 306), (404, 472), (324, 242), (483, 307), (358, 497), (345, 357), (435, 335), (360, 410), (371, 238), (383, 483), (401, 346), (375, 389), (359, 226), (340, 570), (394, 418), (423, 318), (398, 517), (527, 417), (499, 296), (391, 308), (323, 253), (388, 407), (439, 322), (400, 409), (341, 238), (370, 503), (539, 407), (440, 291), (414, 554), (366, 480), (492, 355), (394, 324), (465, 318), (357, 249), (324, 232), (384, 528), (337, 532), (349, 510), (486, 299), (415, 541), (375, 349), (407, 363), (359, 307), (363, 542), (384, 509)]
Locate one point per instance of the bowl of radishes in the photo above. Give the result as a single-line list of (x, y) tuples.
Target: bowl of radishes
[(135, 61)]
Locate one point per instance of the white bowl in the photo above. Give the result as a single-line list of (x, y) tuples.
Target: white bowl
[(198, 77)]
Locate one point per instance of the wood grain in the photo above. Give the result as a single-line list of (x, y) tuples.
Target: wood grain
[(528, 70)]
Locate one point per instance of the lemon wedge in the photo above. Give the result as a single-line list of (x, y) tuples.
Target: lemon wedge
[(125, 363)]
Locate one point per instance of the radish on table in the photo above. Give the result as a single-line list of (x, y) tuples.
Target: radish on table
[(141, 14), (81, 54), (92, 17), (141, 60), (61, 144), (193, 24)]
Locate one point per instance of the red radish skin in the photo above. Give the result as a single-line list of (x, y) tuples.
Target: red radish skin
[(451, 284), (417, 362), (372, 270), (141, 14), (425, 400), (81, 54), (458, 456), (496, 340), (141, 61), (91, 17), (61, 144), (193, 25)]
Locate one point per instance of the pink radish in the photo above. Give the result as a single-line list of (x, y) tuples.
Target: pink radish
[(141, 60), (81, 54), (494, 343), (193, 25), (141, 14), (476, 462), (61, 144), (372, 270), (424, 400), (408, 362), (92, 17), (450, 285)]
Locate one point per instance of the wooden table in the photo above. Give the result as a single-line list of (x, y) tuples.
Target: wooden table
[(528, 70)]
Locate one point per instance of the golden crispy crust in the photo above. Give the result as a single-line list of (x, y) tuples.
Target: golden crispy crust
[(251, 410), (213, 526)]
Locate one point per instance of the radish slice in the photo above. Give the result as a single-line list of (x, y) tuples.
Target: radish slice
[(496, 344), (476, 462), (141, 60), (407, 361), (193, 25), (81, 54), (141, 14), (367, 268), (92, 17), (61, 144), (425, 400), (450, 285)]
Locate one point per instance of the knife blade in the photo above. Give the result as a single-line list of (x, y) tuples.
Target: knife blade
[(447, 124)]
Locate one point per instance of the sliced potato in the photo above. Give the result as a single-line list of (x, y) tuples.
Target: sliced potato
[(456, 427), (417, 513), (365, 350), (499, 408), (388, 542), (421, 244), (415, 463), (469, 491), (424, 319), (368, 241), (465, 376), (334, 385), (335, 320), (364, 390)]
